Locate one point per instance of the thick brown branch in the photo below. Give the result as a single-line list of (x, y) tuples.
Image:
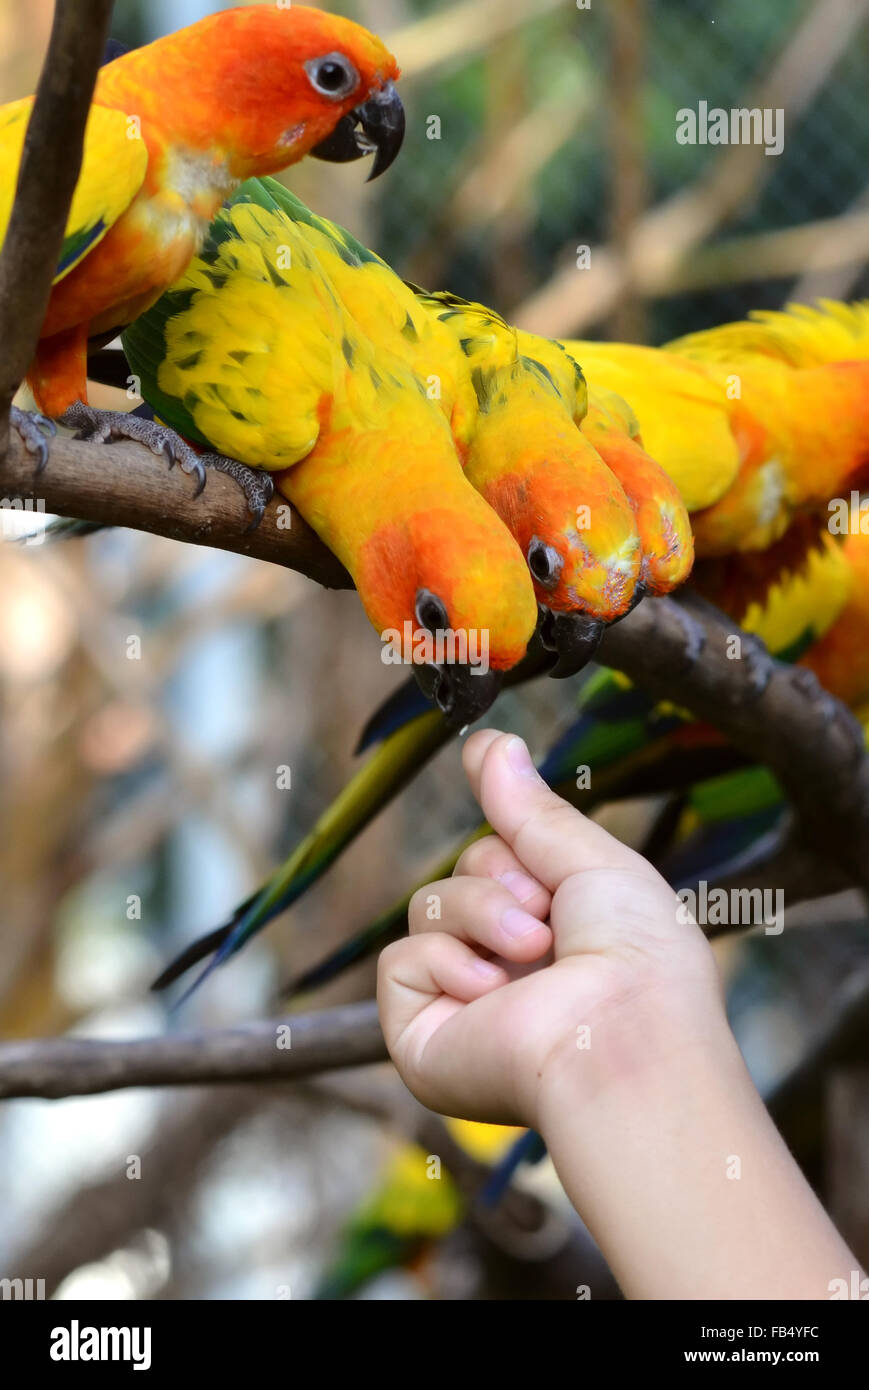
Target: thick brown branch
[(49, 170), (779, 714), (277, 1050), (124, 484)]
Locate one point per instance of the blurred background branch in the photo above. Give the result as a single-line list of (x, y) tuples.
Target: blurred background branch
[(276, 1049)]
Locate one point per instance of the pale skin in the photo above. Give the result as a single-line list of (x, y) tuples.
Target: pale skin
[(559, 989)]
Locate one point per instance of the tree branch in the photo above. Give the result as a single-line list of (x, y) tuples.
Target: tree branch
[(54, 1067), (778, 714), (124, 484), (50, 166)]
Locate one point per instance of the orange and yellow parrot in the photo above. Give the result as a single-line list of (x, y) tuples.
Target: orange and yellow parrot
[(415, 1204), (253, 353), (758, 423), (514, 370), (174, 127), (596, 534)]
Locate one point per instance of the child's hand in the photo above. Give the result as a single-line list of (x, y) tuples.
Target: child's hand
[(605, 1031), (485, 1007)]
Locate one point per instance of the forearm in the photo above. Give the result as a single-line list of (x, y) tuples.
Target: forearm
[(681, 1175)]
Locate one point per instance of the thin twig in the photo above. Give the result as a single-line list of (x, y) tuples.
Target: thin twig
[(50, 167)]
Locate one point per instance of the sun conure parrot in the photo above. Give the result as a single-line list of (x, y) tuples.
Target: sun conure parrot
[(514, 403), (253, 353), (174, 127), (759, 423), (599, 520), (408, 1212)]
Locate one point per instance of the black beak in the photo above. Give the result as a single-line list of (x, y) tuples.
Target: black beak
[(575, 638), (461, 695), (376, 127)]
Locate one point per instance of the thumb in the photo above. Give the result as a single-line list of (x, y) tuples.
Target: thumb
[(552, 839)]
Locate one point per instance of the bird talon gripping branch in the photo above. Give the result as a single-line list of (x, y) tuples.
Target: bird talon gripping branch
[(35, 430), (257, 485), (101, 426)]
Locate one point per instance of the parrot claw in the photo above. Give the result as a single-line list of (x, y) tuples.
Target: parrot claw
[(101, 426), (256, 484), (35, 430)]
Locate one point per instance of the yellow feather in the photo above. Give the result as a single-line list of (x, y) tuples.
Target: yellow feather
[(112, 172), (676, 405), (807, 601), (802, 335)]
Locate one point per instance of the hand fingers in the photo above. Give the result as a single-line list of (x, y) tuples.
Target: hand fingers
[(430, 990), (481, 912), (416, 974), (492, 858), (550, 838)]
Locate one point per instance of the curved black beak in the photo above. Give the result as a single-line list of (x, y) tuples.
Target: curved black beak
[(463, 694), (376, 127), (575, 638)]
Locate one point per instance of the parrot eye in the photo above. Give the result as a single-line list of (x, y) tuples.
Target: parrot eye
[(430, 612), (544, 563), (333, 76)]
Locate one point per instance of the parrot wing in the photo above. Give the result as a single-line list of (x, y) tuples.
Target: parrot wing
[(801, 335), (676, 403), (112, 172), (243, 352)]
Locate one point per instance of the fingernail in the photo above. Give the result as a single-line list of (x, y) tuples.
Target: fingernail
[(520, 885), (520, 759), (517, 923), (486, 968)]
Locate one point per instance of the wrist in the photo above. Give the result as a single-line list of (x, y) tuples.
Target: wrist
[(665, 1149)]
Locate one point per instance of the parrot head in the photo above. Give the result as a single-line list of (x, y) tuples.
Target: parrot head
[(449, 587), (269, 84), (439, 575), (320, 85), (571, 520)]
